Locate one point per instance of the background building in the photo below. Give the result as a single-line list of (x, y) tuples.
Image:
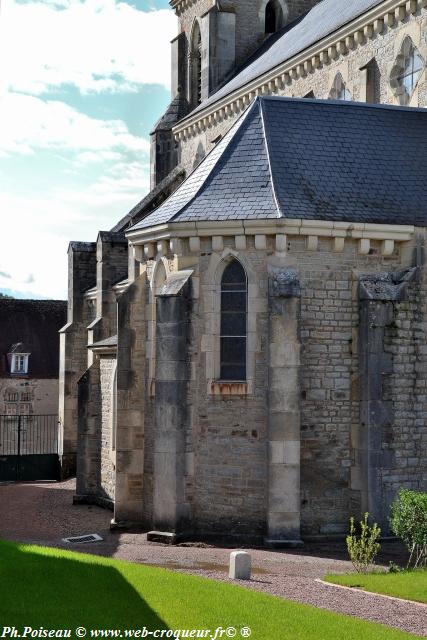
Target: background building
[(29, 355)]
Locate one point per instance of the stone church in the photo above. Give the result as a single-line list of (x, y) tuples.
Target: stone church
[(245, 355)]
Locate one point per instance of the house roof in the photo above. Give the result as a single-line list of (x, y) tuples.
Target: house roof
[(310, 159), (108, 342), (322, 20), (19, 347), (31, 326)]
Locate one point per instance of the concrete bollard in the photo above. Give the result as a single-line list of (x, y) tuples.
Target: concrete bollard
[(240, 565)]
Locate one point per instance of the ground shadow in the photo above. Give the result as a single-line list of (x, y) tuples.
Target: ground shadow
[(55, 592)]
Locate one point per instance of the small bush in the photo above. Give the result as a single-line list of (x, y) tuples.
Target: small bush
[(395, 568), (364, 548), (409, 522)]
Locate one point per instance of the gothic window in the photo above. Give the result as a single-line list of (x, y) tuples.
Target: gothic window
[(373, 79), (273, 16), (233, 322), (157, 281), (113, 417), (406, 71), (270, 18), (196, 66), (339, 89)]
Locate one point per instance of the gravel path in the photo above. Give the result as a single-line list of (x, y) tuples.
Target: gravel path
[(43, 513)]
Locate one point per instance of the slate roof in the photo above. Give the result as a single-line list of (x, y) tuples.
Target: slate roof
[(35, 323), (323, 19), (108, 342), (310, 159), (176, 110)]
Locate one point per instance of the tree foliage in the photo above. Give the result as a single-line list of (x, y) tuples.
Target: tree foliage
[(409, 522)]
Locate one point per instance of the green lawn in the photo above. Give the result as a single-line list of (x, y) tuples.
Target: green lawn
[(57, 589), (411, 585)]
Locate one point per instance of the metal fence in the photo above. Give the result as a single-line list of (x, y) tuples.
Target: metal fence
[(28, 435)]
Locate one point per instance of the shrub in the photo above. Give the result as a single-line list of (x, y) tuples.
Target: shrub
[(364, 548), (409, 522)]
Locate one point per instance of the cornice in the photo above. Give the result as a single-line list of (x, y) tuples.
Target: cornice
[(356, 33), (167, 239)]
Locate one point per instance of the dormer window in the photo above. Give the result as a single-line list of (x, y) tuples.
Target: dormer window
[(18, 358), (19, 363)]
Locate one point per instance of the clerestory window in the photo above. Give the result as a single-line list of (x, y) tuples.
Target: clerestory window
[(234, 293), (339, 89), (196, 66), (406, 72), (270, 18)]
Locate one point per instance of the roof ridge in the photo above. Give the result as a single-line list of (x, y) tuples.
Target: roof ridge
[(219, 149), (267, 146), (231, 133), (344, 103)]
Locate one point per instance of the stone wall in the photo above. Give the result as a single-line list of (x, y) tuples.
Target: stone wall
[(108, 449), (226, 471), (39, 397)]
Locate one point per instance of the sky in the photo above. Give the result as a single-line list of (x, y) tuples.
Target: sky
[(81, 84)]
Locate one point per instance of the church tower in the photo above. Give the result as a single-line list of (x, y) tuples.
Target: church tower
[(215, 38)]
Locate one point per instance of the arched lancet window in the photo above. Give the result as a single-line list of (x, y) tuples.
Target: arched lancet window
[(157, 282), (113, 423), (270, 18), (339, 89), (406, 71), (196, 66), (234, 294)]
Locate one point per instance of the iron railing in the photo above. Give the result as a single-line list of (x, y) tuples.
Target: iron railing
[(28, 434)]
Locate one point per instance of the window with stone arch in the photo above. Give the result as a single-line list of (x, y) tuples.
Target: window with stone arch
[(113, 415), (339, 90), (406, 71), (157, 281), (273, 17), (196, 66), (234, 311)]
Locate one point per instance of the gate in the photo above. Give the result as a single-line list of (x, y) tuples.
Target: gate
[(29, 447)]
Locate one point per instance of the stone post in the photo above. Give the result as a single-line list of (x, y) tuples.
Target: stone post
[(111, 267), (378, 294), (73, 348), (89, 436), (131, 389), (171, 513), (283, 504)]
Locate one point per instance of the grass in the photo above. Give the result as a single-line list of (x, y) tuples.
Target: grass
[(410, 585), (60, 589)]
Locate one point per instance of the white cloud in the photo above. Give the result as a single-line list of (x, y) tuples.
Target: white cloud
[(37, 229), (30, 123), (94, 45)]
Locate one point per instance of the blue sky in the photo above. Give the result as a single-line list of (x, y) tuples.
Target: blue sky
[(82, 86)]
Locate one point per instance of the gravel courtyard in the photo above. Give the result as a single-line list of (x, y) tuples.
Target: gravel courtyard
[(43, 513)]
